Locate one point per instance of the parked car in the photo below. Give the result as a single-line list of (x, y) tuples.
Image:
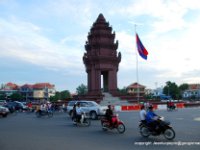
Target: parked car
[(2, 102), (16, 105), (10, 106), (90, 107), (3, 111)]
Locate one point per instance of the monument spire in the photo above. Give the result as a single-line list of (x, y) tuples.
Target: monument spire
[(101, 58), (100, 18)]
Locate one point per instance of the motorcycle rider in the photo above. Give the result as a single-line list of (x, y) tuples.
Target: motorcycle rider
[(109, 115), (74, 112), (151, 119), (171, 105)]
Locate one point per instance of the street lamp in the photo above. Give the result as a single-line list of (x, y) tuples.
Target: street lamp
[(168, 90)]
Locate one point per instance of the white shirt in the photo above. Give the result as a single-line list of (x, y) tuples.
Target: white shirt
[(143, 114), (43, 107), (79, 110)]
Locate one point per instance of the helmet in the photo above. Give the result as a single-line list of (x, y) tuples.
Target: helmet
[(142, 107), (151, 107), (77, 104)]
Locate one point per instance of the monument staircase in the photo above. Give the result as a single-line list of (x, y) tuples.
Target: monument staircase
[(108, 99)]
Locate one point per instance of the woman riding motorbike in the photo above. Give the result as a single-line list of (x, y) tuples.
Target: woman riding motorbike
[(109, 115)]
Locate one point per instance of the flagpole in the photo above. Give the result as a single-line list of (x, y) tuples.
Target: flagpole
[(137, 76)]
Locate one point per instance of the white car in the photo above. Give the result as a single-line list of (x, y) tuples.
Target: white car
[(90, 107), (4, 111), (3, 102)]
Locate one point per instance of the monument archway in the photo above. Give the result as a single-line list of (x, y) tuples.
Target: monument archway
[(104, 78), (101, 58)]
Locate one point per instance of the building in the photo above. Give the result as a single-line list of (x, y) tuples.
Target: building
[(26, 91), (136, 89), (157, 92), (193, 91), (8, 89), (29, 92), (43, 91)]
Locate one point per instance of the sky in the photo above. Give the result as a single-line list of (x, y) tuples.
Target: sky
[(43, 41)]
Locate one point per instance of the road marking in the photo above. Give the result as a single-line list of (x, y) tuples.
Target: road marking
[(197, 119)]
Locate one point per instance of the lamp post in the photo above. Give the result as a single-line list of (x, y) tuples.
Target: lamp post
[(168, 90), (198, 90), (156, 90)]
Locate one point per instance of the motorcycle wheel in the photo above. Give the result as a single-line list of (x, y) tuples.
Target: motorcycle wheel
[(121, 128), (104, 126), (38, 114), (87, 122), (93, 115), (144, 131), (50, 114), (169, 134)]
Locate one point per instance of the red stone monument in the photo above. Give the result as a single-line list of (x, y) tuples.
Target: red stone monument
[(101, 58)]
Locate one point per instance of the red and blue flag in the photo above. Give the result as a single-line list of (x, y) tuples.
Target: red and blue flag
[(141, 49)]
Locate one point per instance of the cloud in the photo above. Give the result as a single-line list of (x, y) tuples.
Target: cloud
[(24, 41), (162, 16), (52, 34), (191, 80), (67, 11), (127, 49), (171, 55)]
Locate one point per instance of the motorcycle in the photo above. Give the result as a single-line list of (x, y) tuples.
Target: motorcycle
[(83, 121), (40, 113), (163, 128), (116, 124), (171, 108)]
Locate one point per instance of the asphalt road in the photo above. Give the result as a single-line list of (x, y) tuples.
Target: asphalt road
[(26, 132)]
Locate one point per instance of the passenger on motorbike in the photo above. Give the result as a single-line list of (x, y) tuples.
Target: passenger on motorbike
[(152, 119), (143, 114), (49, 106), (79, 112), (109, 115), (43, 108)]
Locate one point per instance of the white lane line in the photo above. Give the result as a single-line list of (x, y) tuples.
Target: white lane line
[(197, 119)]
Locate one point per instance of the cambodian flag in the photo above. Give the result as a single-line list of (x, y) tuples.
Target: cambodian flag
[(141, 49)]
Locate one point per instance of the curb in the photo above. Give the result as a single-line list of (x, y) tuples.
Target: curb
[(136, 107)]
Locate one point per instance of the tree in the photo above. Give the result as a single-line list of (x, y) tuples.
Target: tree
[(81, 89), (2, 96), (171, 89), (149, 96), (182, 88), (65, 94), (16, 97), (60, 96), (55, 97), (123, 90)]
